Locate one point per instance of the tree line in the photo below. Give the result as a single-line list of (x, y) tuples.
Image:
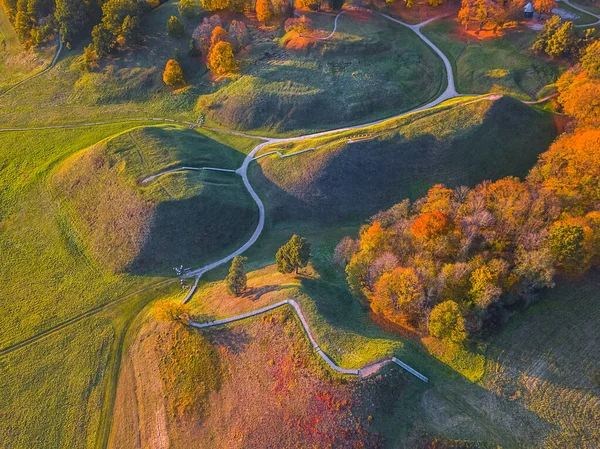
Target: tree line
[(457, 262)]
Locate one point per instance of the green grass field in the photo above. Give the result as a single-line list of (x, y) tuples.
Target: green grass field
[(457, 145), (591, 6), (500, 64), (584, 18)]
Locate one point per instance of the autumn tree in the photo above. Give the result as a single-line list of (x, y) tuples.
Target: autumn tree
[(263, 11), (398, 295), (175, 27), (238, 34), (301, 25), (236, 279), (447, 323), (487, 282), (431, 225), (220, 58), (294, 255), (214, 5), (172, 312), (590, 61), (557, 38), (544, 6), (566, 243), (479, 11), (218, 34), (173, 75)]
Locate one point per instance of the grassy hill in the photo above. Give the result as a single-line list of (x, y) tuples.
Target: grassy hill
[(127, 224), (371, 68), (356, 174), (503, 64)]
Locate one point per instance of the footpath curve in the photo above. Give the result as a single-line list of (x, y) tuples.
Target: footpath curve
[(41, 72), (365, 371), (585, 11)]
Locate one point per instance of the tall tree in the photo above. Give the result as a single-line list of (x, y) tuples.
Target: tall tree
[(294, 255), (236, 279), (173, 75)]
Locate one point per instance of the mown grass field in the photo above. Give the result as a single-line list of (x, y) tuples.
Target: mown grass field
[(584, 18), (585, 4), (355, 174), (502, 64)]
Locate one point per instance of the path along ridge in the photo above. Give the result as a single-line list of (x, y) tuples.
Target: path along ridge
[(365, 371)]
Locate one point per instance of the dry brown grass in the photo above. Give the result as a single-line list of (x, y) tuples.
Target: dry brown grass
[(265, 388)]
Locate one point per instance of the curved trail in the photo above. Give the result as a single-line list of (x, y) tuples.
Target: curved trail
[(585, 11), (330, 35), (41, 72), (365, 371)]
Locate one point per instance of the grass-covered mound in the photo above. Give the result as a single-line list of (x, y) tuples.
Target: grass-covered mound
[(370, 68), (129, 223), (503, 64), (363, 172)]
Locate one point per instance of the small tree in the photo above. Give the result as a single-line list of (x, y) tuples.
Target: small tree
[(186, 8), (236, 279), (294, 255), (544, 6), (447, 323), (220, 58), (263, 11), (173, 75), (175, 27), (218, 34)]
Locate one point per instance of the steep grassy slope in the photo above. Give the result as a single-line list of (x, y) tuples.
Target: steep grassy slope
[(258, 385), (371, 68), (357, 174), (497, 64), (128, 224)]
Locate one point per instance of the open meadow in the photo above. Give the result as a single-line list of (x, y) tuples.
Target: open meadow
[(124, 198)]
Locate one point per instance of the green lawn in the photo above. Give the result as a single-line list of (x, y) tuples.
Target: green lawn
[(584, 18), (457, 145), (591, 6), (501, 65)]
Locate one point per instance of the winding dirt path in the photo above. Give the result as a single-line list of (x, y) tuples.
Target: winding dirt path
[(330, 35)]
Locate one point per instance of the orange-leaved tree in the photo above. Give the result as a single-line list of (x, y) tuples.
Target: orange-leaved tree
[(398, 295), (221, 59), (263, 11), (431, 225), (173, 75)]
